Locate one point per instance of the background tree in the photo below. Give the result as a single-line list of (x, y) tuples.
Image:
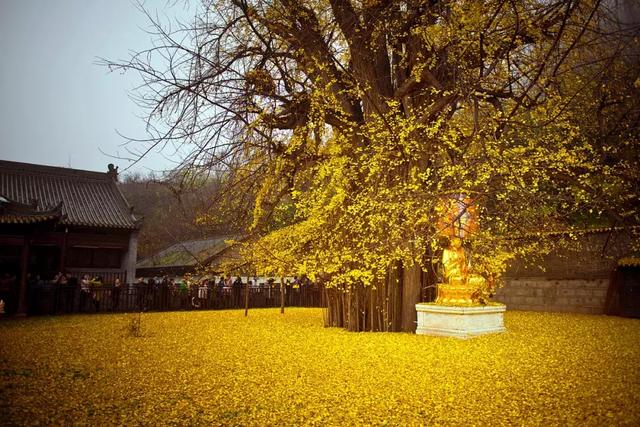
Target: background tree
[(171, 208), (345, 127)]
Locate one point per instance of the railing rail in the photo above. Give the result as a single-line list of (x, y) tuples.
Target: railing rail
[(107, 277), (49, 298)]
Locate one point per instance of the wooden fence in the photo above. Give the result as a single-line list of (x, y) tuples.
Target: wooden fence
[(49, 298)]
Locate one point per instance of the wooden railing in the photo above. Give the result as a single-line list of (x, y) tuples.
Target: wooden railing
[(48, 298)]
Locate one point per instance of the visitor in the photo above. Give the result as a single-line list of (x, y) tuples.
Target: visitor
[(183, 291), (248, 289), (220, 292), (203, 291), (140, 291), (165, 287), (60, 290), (115, 295), (96, 291), (71, 292), (228, 293), (237, 291), (62, 279), (287, 292), (85, 292), (149, 291), (211, 292)]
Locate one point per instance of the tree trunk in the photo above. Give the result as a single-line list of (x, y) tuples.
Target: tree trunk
[(246, 298), (282, 295), (389, 306), (411, 288), (395, 296)]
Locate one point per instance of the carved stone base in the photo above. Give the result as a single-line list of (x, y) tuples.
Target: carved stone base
[(459, 322)]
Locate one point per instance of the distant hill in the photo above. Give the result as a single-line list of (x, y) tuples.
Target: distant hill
[(169, 214)]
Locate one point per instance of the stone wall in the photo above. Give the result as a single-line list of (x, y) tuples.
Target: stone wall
[(541, 294), (574, 279)]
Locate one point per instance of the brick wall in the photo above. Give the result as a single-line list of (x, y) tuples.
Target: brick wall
[(574, 279), (541, 294)]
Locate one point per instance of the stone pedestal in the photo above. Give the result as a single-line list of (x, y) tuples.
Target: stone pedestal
[(459, 322)]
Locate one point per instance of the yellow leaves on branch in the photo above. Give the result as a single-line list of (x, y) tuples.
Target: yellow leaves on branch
[(355, 185), (373, 198)]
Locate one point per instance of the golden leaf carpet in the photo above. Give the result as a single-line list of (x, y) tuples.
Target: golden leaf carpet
[(220, 368)]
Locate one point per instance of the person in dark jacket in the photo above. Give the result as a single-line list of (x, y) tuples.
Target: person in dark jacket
[(237, 290)]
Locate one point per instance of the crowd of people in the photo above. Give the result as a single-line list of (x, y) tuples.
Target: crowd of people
[(64, 292), (82, 292), (224, 291)]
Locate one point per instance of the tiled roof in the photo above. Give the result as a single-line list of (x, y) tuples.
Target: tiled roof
[(88, 198), (26, 219), (18, 213), (189, 253)]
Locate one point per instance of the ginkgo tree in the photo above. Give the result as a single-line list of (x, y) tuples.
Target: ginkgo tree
[(345, 126)]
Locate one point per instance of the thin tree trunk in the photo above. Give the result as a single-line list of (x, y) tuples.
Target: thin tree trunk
[(388, 307), (344, 320), (372, 313), (282, 295), (363, 305), (349, 307), (246, 299), (395, 291), (384, 303), (355, 304), (411, 287), (324, 302)]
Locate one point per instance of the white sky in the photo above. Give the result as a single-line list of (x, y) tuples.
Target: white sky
[(56, 106)]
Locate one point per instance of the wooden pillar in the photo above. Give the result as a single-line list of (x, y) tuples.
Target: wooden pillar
[(24, 267), (63, 251)]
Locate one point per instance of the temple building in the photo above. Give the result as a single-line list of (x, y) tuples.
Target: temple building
[(55, 219)]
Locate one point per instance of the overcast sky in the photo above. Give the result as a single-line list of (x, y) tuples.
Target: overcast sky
[(56, 106)]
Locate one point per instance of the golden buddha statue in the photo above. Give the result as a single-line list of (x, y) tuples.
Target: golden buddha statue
[(460, 287), (454, 262)]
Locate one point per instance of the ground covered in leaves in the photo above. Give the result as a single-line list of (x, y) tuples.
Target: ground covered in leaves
[(220, 368)]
